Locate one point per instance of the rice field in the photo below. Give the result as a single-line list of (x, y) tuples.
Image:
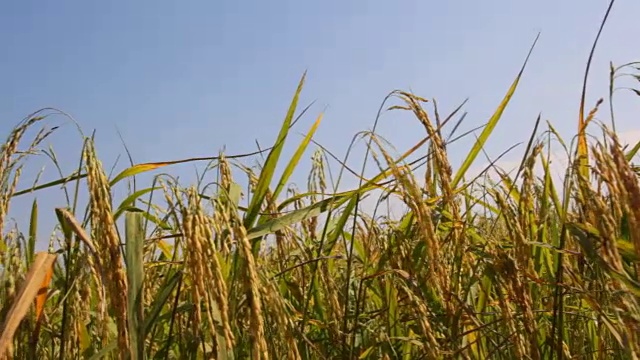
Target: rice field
[(513, 266)]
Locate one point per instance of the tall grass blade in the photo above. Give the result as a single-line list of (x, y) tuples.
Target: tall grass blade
[(128, 202), (296, 216), (491, 124), (295, 159), (159, 301), (582, 150), (631, 153), (135, 277), (61, 181), (41, 298), (139, 169), (105, 351), (33, 231), (269, 168)]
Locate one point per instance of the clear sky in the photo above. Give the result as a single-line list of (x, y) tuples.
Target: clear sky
[(183, 79)]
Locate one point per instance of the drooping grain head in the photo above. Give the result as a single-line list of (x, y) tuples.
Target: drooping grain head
[(107, 243), (253, 283), (203, 267)]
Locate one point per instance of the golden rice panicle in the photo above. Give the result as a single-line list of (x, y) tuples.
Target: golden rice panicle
[(221, 224), (604, 211), (442, 167), (440, 160), (6, 192), (316, 181), (284, 329), (332, 291), (194, 264), (412, 196), (526, 212), (258, 341), (221, 295), (438, 148), (630, 190), (513, 270), (226, 181), (506, 267), (7, 186), (13, 267), (95, 277), (224, 210), (205, 267), (79, 310), (226, 178), (432, 348), (317, 185), (205, 272), (9, 160), (107, 244), (622, 199)]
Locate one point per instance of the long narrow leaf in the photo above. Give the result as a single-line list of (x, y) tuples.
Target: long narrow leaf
[(126, 203), (295, 217), (33, 231), (28, 292), (296, 158), (135, 276), (631, 153), (493, 121), (160, 300), (50, 184), (272, 161)]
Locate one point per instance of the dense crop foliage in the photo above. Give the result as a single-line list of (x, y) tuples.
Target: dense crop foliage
[(509, 267)]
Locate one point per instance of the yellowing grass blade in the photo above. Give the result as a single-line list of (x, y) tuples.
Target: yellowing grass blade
[(139, 169), (493, 121), (165, 248), (32, 284), (42, 293), (41, 298)]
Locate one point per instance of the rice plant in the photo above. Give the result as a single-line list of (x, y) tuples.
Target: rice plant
[(511, 266)]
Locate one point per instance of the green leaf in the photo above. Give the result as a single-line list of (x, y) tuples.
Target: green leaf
[(296, 158), (631, 153), (106, 350), (269, 168), (61, 181), (126, 203), (296, 216), (493, 121), (134, 238), (340, 225), (365, 354), (142, 168), (235, 193), (160, 300), (33, 231), (154, 219)]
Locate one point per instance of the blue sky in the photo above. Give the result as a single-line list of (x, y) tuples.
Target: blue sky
[(183, 79)]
